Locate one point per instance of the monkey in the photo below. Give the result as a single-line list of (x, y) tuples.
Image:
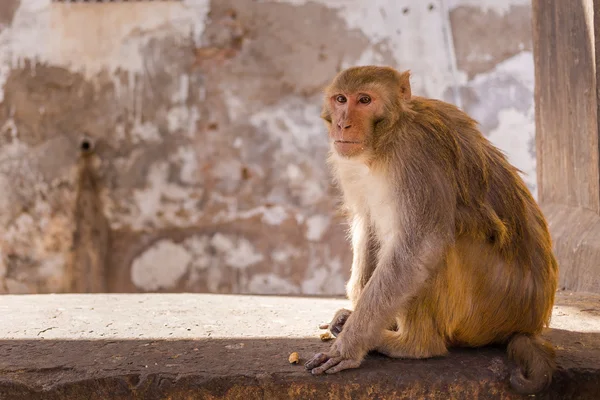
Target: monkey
[(450, 249)]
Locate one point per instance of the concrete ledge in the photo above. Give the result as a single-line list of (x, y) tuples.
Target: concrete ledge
[(185, 346)]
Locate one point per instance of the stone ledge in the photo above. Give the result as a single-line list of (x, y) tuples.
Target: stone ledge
[(182, 346)]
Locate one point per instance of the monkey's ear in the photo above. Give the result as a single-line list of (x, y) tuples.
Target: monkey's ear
[(405, 86), (326, 115)]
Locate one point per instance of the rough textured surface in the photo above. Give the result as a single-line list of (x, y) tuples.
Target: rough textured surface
[(489, 26), (213, 346), (567, 101), (189, 132), (576, 232)]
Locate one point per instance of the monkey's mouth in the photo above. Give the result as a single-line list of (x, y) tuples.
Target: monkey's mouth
[(348, 147), (347, 142)]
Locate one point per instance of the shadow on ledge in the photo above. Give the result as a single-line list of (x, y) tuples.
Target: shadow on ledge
[(259, 369)]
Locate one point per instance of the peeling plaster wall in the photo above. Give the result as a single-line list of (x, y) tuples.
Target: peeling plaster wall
[(177, 146), (494, 57)]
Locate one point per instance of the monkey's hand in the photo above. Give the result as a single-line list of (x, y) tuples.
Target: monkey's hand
[(337, 323), (345, 353)]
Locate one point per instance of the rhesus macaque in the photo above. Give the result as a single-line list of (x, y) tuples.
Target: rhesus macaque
[(449, 247)]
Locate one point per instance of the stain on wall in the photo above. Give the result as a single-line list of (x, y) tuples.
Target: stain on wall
[(500, 35), (206, 167)]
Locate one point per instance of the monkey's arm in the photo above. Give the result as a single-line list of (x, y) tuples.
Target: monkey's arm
[(407, 256), (364, 258), (401, 272)]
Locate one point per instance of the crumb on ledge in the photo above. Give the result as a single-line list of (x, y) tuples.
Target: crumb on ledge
[(294, 358)]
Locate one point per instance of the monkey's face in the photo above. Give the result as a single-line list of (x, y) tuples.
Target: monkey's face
[(351, 118)]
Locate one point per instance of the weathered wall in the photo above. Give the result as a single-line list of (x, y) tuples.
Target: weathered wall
[(493, 47), (176, 145)]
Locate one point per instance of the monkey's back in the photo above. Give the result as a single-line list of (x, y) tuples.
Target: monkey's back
[(502, 240), (490, 194)]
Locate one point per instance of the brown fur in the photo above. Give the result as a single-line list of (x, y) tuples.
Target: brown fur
[(450, 248)]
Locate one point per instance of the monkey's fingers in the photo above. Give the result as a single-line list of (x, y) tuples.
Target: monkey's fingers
[(317, 360), (344, 364), (332, 362)]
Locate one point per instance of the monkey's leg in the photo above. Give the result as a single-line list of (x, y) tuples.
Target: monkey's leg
[(417, 342), (339, 319), (419, 335)]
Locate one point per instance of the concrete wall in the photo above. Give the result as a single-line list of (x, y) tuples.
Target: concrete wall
[(168, 146)]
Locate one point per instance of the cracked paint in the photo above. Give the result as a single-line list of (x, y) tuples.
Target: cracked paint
[(316, 227), (203, 116), (510, 125), (118, 32), (497, 6), (160, 266)]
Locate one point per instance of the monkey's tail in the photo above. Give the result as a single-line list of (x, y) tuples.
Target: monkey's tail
[(535, 359)]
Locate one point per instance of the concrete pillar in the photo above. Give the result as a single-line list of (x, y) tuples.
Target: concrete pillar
[(566, 95)]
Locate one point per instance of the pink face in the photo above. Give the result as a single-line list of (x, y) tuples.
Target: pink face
[(352, 117)]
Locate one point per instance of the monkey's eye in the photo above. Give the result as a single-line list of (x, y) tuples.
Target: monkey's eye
[(340, 99), (365, 99)]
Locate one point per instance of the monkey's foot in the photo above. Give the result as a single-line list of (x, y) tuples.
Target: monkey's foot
[(330, 364), (337, 323)]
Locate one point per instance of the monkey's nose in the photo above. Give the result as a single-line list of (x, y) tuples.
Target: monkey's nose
[(344, 126)]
